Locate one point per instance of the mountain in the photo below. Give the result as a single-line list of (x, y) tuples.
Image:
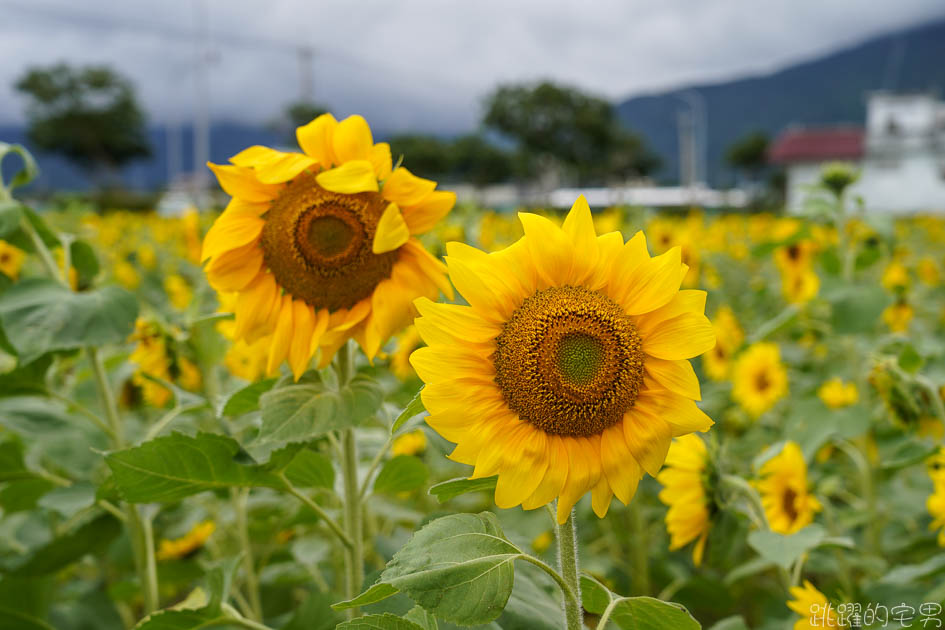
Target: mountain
[(828, 90)]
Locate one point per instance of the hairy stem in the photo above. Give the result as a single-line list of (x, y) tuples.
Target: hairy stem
[(240, 498), (568, 565), (354, 556)]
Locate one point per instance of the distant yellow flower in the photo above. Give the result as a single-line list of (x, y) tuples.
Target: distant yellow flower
[(543, 541), (178, 291), (147, 257), (11, 260), (412, 443), (407, 342), (190, 222), (189, 376), (814, 609), (787, 501), (795, 257), (898, 316), (895, 277), (936, 506), (321, 246), (690, 508), (759, 378), (187, 544), (800, 286), (717, 362), (936, 466), (928, 271), (568, 372), (835, 393), (150, 355), (126, 275)]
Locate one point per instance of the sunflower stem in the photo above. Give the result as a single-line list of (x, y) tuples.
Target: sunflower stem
[(568, 565), (240, 498), (354, 556), (639, 547)]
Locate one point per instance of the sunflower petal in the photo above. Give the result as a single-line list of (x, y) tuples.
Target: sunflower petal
[(555, 475), (300, 354), (242, 183), (601, 495), (229, 232), (579, 227), (392, 231), (619, 466), (315, 138), (423, 216), (524, 465), (681, 413), (381, 159), (682, 337), (653, 283), (234, 269), (406, 189), (648, 437), (353, 140), (551, 250), (282, 337), (254, 304), (351, 177), (676, 376)]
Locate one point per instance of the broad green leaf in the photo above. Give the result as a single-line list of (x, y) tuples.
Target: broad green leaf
[(401, 474), (785, 550), (315, 613), (447, 490), (10, 217), (414, 407), (360, 399), (910, 360), (648, 613), (176, 466), (70, 500), (595, 597), (39, 315), (856, 309), (422, 618), (311, 470), (182, 620), (12, 619), (26, 173), (219, 581), (23, 495), (247, 399), (385, 621), (29, 378), (535, 603), (910, 573), (735, 622), (12, 467), (376, 593), (747, 569), (84, 261), (63, 551)]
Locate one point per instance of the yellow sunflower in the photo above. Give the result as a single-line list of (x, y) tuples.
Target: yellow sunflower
[(319, 245), (836, 394), (795, 257), (759, 378), (800, 286), (728, 339), (11, 259), (813, 607), (568, 372), (151, 357), (898, 316), (788, 503), (685, 492), (187, 544)]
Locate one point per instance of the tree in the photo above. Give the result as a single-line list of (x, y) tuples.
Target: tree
[(90, 115), (479, 162), (425, 155), (294, 116), (749, 154), (578, 132)]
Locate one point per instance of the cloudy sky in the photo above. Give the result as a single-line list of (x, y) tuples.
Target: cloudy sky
[(424, 64)]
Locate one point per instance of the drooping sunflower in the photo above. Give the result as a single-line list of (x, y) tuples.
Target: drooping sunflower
[(568, 371), (759, 378), (319, 245), (687, 494), (813, 607), (788, 503)]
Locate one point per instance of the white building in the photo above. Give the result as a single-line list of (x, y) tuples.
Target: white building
[(900, 154)]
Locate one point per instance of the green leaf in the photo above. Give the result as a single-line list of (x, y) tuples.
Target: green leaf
[(23, 495), (315, 613), (11, 619), (84, 261), (451, 489), (856, 309), (70, 500), (182, 620), (910, 360), (27, 172), (401, 474), (735, 622), (422, 618), (176, 466), (29, 378), (595, 597), (311, 470), (10, 217), (386, 621), (458, 567), (747, 569), (40, 315), (911, 573), (648, 613), (12, 467), (247, 399), (63, 551), (219, 581), (785, 550), (414, 407)]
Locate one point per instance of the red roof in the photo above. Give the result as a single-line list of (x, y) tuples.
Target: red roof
[(814, 145)]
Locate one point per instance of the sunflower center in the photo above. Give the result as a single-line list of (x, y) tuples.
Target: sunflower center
[(569, 361), (317, 244), (788, 500), (761, 381)]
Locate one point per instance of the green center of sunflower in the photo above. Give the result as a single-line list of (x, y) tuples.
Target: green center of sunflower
[(569, 361), (317, 244)]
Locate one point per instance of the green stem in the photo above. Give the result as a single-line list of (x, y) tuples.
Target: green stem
[(775, 323), (564, 586), (107, 397), (322, 514), (638, 548), (233, 617), (568, 564), (240, 498), (85, 411), (605, 617), (169, 417), (354, 556), (45, 256), (152, 600), (874, 527), (375, 463)]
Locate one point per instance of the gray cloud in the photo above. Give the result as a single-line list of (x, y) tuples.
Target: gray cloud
[(426, 63)]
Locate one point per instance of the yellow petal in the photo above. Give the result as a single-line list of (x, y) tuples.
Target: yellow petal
[(686, 301), (551, 250), (676, 376), (229, 232), (583, 474), (424, 216), (682, 337), (271, 166), (579, 227), (413, 253), (619, 466), (282, 336), (392, 231), (353, 140), (380, 158), (349, 178), (300, 354), (241, 182), (601, 495), (681, 413), (321, 325), (315, 139), (524, 463), (405, 188), (555, 475), (653, 283), (233, 270), (648, 437), (254, 304), (477, 290)]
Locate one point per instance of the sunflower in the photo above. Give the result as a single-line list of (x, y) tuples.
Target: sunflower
[(412, 443), (686, 493), (898, 316), (187, 544), (814, 608), (895, 277), (151, 357), (319, 245), (728, 339), (759, 377), (800, 286), (787, 501), (796, 257), (836, 394), (11, 259), (568, 372), (407, 342)]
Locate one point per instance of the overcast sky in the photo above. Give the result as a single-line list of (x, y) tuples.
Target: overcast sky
[(425, 64)]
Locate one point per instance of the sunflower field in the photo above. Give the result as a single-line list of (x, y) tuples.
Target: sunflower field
[(343, 400)]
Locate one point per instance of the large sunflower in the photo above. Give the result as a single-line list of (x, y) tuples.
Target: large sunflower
[(319, 245), (568, 372)]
